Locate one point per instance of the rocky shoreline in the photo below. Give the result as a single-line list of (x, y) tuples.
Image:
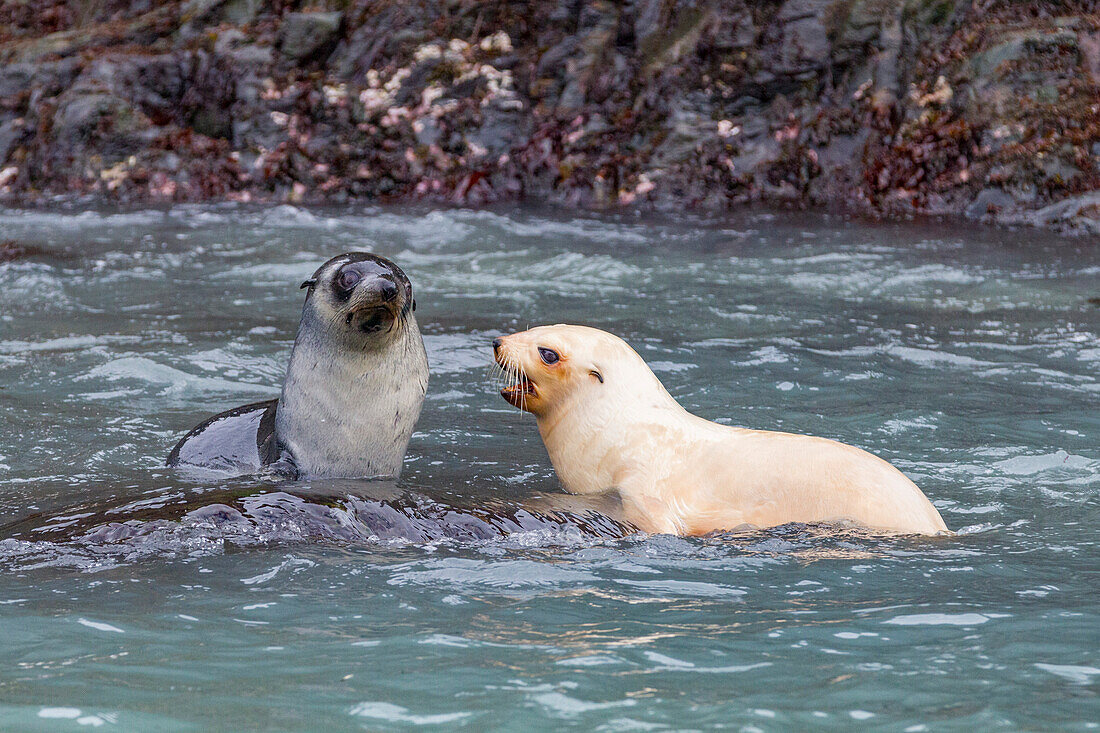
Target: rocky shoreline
[(887, 108)]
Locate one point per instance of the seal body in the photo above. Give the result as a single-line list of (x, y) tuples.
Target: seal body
[(354, 386), (609, 424)]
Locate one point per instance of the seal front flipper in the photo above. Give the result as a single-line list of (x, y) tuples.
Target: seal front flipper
[(241, 440)]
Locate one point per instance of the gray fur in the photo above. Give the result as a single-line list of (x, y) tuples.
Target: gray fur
[(351, 412), (353, 388)]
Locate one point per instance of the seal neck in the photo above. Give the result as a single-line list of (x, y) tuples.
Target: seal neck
[(591, 441)]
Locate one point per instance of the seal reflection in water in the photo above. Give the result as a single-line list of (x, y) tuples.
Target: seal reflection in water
[(353, 390), (608, 423)]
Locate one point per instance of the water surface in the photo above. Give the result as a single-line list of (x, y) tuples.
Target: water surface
[(133, 598)]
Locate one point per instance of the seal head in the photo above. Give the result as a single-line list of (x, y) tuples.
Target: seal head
[(371, 294)]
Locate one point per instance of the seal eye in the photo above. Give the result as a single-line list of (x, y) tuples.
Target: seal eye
[(348, 279), (549, 356)]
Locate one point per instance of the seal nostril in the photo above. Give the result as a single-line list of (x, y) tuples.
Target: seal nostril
[(497, 343), (388, 290)]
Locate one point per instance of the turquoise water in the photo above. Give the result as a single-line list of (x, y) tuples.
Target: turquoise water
[(133, 599)]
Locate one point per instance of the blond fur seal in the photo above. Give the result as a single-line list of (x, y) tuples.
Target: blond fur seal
[(608, 423)]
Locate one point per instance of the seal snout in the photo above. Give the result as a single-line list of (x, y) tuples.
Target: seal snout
[(520, 389), (375, 291), (387, 290)]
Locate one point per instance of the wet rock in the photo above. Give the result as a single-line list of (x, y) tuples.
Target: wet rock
[(597, 28), (47, 78), (1026, 46), (863, 23), (16, 78), (1079, 214), (241, 12), (11, 250), (687, 131), (666, 33), (887, 62), (82, 115), (155, 85), (990, 202), (307, 35), (199, 14)]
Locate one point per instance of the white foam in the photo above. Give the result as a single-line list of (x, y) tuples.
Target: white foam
[(687, 588), (1074, 673), (944, 619), (173, 381), (1031, 465), (99, 626), (397, 714), (59, 713), (558, 703), (466, 573)]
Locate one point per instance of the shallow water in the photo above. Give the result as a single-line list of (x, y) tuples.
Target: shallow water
[(133, 598)]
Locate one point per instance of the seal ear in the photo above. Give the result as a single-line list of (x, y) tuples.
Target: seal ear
[(315, 277), (597, 375)]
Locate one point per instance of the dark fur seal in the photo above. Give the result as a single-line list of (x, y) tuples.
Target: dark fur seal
[(353, 390)]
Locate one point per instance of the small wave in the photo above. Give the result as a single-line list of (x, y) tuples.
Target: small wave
[(470, 574), (1077, 674), (64, 343), (1036, 464), (390, 713), (451, 353), (944, 619), (32, 219), (174, 382), (934, 358)]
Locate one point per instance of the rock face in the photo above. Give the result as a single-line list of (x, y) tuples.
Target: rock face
[(887, 107)]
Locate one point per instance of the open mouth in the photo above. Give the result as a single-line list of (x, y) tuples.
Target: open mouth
[(518, 392), (372, 319), (519, 388)]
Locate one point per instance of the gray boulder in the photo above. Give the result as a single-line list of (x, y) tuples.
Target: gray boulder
[(308, 35)]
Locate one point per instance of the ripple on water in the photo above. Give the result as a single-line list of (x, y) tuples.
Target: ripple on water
[(169, 381)]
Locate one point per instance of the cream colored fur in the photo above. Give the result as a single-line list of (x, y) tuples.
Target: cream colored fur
[(681, 474)]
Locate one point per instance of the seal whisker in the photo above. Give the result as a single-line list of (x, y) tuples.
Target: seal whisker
[(510, 369), (496, 372), (518, 381)]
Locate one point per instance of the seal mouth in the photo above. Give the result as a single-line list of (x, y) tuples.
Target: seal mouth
[(519, 388), (517, 393), (370, 319)]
